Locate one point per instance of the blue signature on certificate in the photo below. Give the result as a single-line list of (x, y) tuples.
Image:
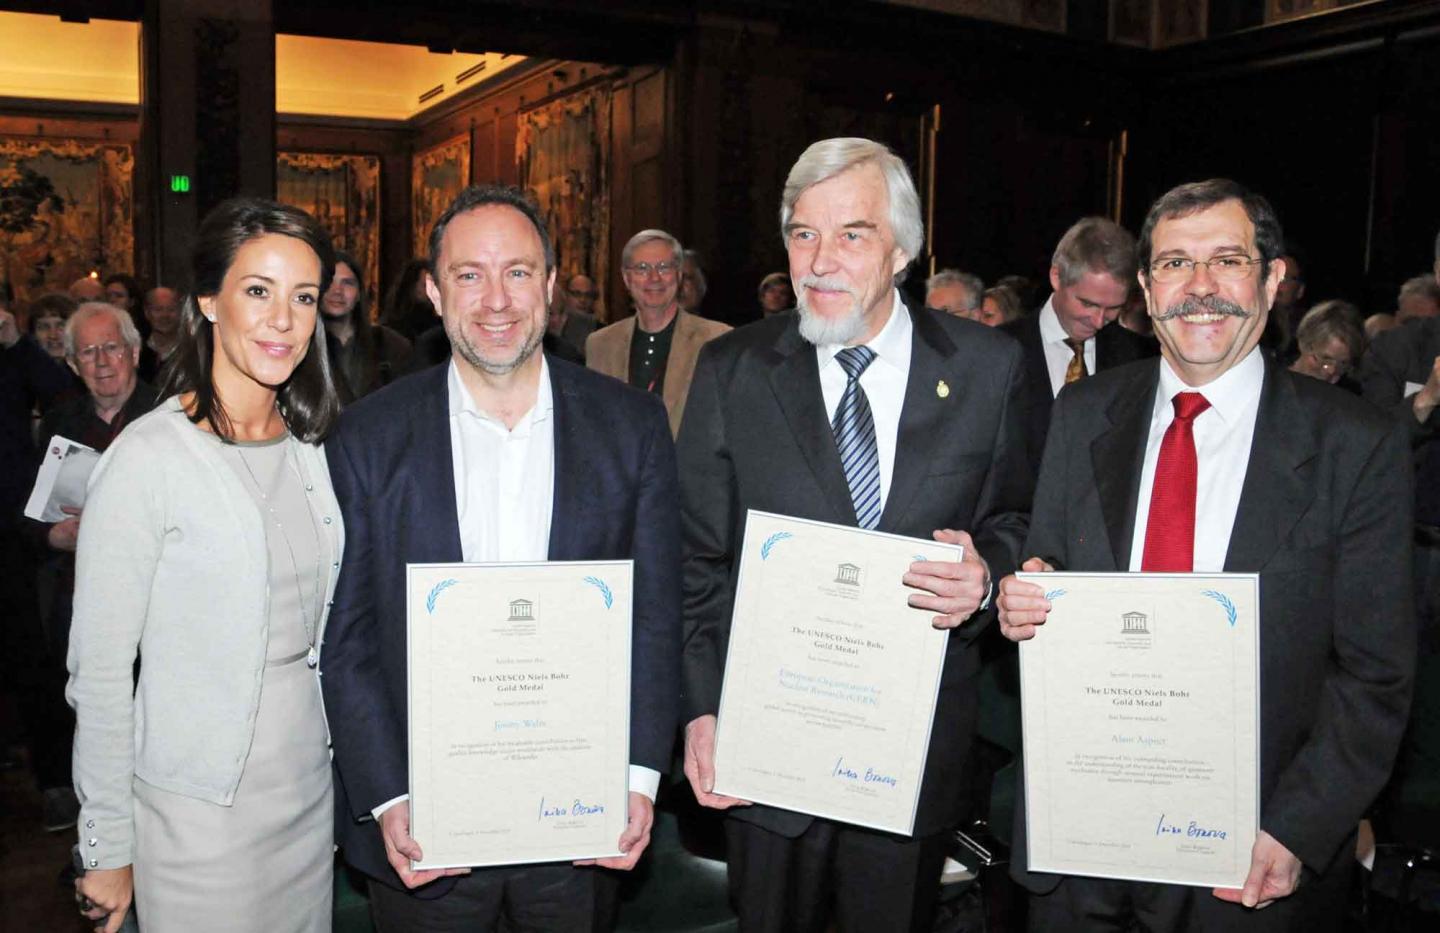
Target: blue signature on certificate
[(574, 808), (1191, 830), (844, 772)]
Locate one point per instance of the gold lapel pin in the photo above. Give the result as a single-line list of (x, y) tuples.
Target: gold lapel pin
[(941, 389)]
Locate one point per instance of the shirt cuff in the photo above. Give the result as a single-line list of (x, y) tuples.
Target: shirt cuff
[(387, 805), (989, 596), (645, 781)]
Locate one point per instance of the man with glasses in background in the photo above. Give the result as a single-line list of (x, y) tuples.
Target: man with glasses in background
[(1212, 459), (102, 346), (654, 349), (1330, 339), (572, 317)]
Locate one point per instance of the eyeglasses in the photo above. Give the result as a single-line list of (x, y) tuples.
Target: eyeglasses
[(662, 269), (592, 295), (1225, 268), (1329, 364), (91, 354)]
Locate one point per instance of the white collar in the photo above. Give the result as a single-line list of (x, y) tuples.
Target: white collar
[(891, 345), (461, 403), (1229, 394), (1051, 330)]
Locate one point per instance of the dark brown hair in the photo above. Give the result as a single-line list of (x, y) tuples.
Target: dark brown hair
[(307, 400)]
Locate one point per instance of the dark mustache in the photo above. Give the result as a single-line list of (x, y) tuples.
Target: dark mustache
[(1214, 304)]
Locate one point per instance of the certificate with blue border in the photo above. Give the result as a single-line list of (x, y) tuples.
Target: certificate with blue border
[(519, 711), (1140, 700), (830, 678)]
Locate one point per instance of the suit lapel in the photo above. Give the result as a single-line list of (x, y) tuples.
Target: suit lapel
[(569, 464), (921, 415), (676, 380), (795, 381), (434, 475), (1278, 485), (1117, 458)]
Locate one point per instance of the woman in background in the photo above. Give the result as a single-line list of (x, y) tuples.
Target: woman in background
[(211, 543)]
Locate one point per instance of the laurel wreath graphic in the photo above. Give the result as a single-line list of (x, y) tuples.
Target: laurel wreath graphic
[(1054, 594), (435, 591), (771, 542), (604, 590), (1224, 602)]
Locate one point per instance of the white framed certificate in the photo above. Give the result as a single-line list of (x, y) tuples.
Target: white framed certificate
[(519, 710), (1141, 714), (831, 678)]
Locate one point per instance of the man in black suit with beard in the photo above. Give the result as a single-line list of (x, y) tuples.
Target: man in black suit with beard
[(1075, 333), (1213, 459), (942, 453)]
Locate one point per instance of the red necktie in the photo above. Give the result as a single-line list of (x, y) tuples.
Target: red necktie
[(1170, 529)]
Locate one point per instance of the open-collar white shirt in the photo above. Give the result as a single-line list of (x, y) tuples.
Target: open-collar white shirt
[(1223, 436)]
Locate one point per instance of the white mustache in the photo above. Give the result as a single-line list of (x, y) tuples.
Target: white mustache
[(829, 285)]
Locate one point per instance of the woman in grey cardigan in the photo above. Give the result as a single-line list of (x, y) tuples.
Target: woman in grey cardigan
[(210, 543)]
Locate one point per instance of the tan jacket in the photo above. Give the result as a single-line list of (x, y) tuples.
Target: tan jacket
[(607, 350)]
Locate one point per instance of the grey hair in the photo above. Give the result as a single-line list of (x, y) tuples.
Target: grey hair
[(645, 236), (974, 287), (1423, 286), (91, 309), (1330, 319), (1096, 244), (829, 157)]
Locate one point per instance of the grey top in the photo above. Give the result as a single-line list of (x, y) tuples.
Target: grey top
[(174, 559), (299, 555)]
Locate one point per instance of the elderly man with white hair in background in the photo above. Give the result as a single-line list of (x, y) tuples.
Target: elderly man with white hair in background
[(925, 406), (955, 292), (655, 348), (102, 346)]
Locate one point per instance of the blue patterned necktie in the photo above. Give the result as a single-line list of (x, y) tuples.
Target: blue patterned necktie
[(855, 438)]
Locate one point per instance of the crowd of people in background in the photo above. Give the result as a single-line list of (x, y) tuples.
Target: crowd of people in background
[(89, 362)]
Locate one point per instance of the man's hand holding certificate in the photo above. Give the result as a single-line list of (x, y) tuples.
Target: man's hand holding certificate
[(1141, 717), (833, 667)]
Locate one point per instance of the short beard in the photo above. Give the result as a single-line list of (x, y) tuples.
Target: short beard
[(1213, 304), (501, 368), (822, 331)]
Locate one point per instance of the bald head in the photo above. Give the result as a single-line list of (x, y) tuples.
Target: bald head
[(162, 310), (580, 294), (86, 288)]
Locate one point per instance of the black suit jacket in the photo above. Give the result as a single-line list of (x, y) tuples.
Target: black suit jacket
[(756, 436), (1324, 518), (1114, 346), (390, 459)]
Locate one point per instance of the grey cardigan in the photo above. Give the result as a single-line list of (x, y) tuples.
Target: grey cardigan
[(171, 558)]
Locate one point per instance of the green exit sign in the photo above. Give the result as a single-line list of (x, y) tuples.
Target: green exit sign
[(180, 184)]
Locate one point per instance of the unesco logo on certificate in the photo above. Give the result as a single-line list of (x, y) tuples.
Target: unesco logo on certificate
[(1135, 631), (848, 582), (520, 618)]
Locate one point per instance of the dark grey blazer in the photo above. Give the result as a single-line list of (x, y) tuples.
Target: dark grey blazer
[(1114, 346), (1324, 518), (756, 436)]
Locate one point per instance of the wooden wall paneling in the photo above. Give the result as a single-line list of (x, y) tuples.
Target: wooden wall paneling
[(640, 194)]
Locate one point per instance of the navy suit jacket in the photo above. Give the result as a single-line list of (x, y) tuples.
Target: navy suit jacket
[(616, 498)]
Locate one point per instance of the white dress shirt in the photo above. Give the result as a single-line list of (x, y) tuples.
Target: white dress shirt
[(504, 493), (1057, 352), (884, 382), (1223, 433)]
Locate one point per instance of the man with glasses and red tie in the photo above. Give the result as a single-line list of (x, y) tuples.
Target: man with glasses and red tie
[(654, 349), (1218, 459)]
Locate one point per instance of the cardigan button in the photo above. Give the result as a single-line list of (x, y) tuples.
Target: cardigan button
[(94, 863), (327, 519)]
